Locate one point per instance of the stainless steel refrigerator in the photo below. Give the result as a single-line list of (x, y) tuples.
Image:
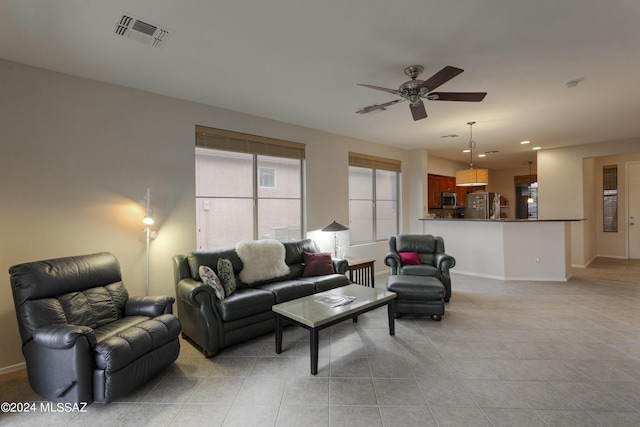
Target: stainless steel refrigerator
[(481, 206)]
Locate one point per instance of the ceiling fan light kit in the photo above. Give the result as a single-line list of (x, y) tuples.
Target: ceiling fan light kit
[(472, 177), (415, 90)]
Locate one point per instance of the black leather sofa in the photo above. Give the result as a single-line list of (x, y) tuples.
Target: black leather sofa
[(212, 324), (83, 338)]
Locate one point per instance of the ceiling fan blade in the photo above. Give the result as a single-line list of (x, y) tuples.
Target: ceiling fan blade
[(417, 111), (441, 77), (457, 96), (384, 89), (378, 106)]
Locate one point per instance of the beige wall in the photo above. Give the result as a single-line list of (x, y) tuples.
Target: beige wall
[(565, 189), (612, 244), (76, 155)]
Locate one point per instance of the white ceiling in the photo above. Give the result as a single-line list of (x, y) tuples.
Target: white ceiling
[(298, 61)]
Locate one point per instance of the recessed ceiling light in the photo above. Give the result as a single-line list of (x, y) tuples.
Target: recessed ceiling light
[(536, 148), (482, 155), (466, 151), (525, 142)]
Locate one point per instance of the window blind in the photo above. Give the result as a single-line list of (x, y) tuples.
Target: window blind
[(220, 139), (373, 162), (525, 179)]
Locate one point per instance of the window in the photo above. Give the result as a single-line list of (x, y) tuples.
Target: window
[(236, 193), (373, 198), (526, 189), (610, 198)]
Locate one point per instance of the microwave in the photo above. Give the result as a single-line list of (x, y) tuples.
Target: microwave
[(449, 200)]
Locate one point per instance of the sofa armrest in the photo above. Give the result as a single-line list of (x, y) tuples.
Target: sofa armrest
[(150, 306), (392, 259), (443, 262), (341, 266), (189, 290), (63, 336)]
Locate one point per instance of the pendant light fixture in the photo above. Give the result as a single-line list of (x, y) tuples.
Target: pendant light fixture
[(530, 198), (470, 177)]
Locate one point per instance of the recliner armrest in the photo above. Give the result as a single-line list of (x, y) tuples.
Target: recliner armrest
[(63, 336), (443, 261), (150, 306), (392, 259)]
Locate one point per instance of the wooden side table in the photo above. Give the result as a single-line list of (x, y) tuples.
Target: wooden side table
[(361, 271)]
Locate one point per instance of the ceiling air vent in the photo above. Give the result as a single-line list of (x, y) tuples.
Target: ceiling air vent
[(141, 31)]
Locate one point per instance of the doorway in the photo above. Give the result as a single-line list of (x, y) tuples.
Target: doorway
[(633, 210), (526, 196)]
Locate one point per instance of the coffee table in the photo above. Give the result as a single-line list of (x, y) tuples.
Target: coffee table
[(313, 315)]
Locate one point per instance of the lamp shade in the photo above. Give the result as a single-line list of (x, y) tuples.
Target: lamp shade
[(471, 177), (334, 226)]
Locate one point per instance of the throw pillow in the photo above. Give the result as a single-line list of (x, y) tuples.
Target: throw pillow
[(317, 264), (209, 277), (261, 260), (409, 258), (225, 271)]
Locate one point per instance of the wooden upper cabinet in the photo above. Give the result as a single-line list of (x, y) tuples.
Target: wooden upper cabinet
[(440, 183), (449, 184), (435, 188), (462, 196)]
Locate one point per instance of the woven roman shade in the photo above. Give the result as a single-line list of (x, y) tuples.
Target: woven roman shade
[(525, 179), (219, 139), (373, 162)]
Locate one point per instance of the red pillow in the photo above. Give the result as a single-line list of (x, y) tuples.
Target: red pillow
[(409, 258), (317, 264)]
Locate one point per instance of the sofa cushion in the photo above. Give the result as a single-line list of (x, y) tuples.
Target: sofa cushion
[(91, 307), (197, 258), (294, 250), (210, 278), (325, 283), (317, 264), (424, 245), (114, 328), (420, 270), (289, 289), (262, 260), (409, 258), (245, 302), (129, 344), (228, 278)]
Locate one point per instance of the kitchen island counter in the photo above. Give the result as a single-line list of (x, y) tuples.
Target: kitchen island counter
[(507, 249)]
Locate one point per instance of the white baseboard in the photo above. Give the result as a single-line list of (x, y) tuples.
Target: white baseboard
[(13, 368)]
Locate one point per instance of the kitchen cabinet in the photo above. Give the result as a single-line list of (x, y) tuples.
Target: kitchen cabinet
[(440, 183), (435, 189), (437, 185), (461, 192)]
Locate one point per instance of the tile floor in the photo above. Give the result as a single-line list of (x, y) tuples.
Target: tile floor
[(505, 354)]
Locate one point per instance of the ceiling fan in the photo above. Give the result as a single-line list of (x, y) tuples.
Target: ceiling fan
[(414, 90)]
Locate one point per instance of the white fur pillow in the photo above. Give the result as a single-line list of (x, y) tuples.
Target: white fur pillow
[(262, 260)]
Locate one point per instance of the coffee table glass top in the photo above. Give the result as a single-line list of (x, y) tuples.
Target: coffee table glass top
[(313, 313)]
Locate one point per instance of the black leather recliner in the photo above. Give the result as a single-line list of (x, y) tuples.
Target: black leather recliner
[(434, 262), (83, 338)]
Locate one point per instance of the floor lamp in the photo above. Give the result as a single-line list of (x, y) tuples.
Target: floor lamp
[(335, 227), (148, 221)]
